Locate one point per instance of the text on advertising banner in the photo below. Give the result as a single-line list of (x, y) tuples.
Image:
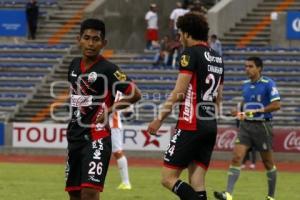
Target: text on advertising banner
[(293, 25), (13, 23)]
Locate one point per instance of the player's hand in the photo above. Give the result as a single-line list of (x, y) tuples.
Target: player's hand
[(241, 116), (154, 126), (100, 118)]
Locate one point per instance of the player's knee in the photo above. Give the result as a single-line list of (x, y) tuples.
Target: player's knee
[(268, 164), (166, 182), (237, 159), (89, 194), (75, 195), (118, 154)]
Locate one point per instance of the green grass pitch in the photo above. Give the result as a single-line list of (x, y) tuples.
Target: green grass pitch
[(46, 182)]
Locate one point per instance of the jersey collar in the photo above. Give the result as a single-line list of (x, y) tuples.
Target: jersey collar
[(201, 44), (83, 69), (259, 80)]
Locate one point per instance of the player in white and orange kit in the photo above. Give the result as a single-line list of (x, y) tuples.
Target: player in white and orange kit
[(117, 146)]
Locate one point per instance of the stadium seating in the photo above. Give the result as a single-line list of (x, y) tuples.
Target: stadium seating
[(251, 19), (17, 3), (27, 82), (23, 68), (157, 81)]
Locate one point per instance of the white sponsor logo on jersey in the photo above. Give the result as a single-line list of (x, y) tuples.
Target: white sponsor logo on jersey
[(92, 77), (73, 74), (81, 100), (188, 105), (211, 58)]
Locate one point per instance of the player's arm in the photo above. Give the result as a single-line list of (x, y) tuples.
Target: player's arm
[(186, 67), (219, 98), (273, 106), (127, 99), (177, 95), (125, 102), (120, 82)]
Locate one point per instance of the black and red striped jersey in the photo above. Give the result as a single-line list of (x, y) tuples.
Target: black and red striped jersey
[(207, 70), (93, 90)]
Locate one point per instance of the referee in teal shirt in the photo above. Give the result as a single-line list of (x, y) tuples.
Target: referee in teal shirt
[(260, 99)]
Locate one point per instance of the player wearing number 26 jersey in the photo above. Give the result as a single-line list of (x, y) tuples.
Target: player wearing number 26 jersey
[(94, 82)]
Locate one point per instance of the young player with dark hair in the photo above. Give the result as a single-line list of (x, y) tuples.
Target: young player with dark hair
[(94, 82), (198, 88)]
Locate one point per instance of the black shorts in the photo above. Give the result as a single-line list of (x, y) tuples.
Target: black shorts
[(87, 166), (257, 134), (190, 146)]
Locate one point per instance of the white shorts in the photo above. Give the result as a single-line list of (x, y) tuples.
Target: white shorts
[(116, 140)]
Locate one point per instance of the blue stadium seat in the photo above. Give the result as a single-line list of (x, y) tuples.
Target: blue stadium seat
[(25, 65), (17, 85), (8, 104), (13, 95), (30, 55)]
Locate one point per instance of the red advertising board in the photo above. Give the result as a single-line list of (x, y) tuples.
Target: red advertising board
[(284, 139), (136, 138)]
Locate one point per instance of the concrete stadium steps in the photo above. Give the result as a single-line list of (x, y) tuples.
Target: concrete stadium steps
[(270, 9), (54, 26), (252, 18), (245, 28), (46, 40), (26, 73), (36, 51), (68, 37), (42, 98), (59, 18), (233, 42), (62, 16), (262, 35), (30, 60), (264, 53)]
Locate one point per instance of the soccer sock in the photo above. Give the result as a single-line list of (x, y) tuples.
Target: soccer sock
[(185, 191), (123, 168), (202, 195), (272, 175), (233, 175)]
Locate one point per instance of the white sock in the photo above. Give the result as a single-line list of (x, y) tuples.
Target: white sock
[(123, 167)]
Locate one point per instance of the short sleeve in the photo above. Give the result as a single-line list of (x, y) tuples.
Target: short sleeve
[(172, 15), (187, 61), (147, 16), (69, 70), (118, 80), (74, 62), (273, 91)]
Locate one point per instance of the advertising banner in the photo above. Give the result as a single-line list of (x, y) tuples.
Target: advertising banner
[(2, 131), (284, 139), (42, 135), (54, 136), (293, 25), (39, 135), (137, 138)]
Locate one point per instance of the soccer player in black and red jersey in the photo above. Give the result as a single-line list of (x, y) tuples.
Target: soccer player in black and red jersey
[(94, 82), (198, 88)]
